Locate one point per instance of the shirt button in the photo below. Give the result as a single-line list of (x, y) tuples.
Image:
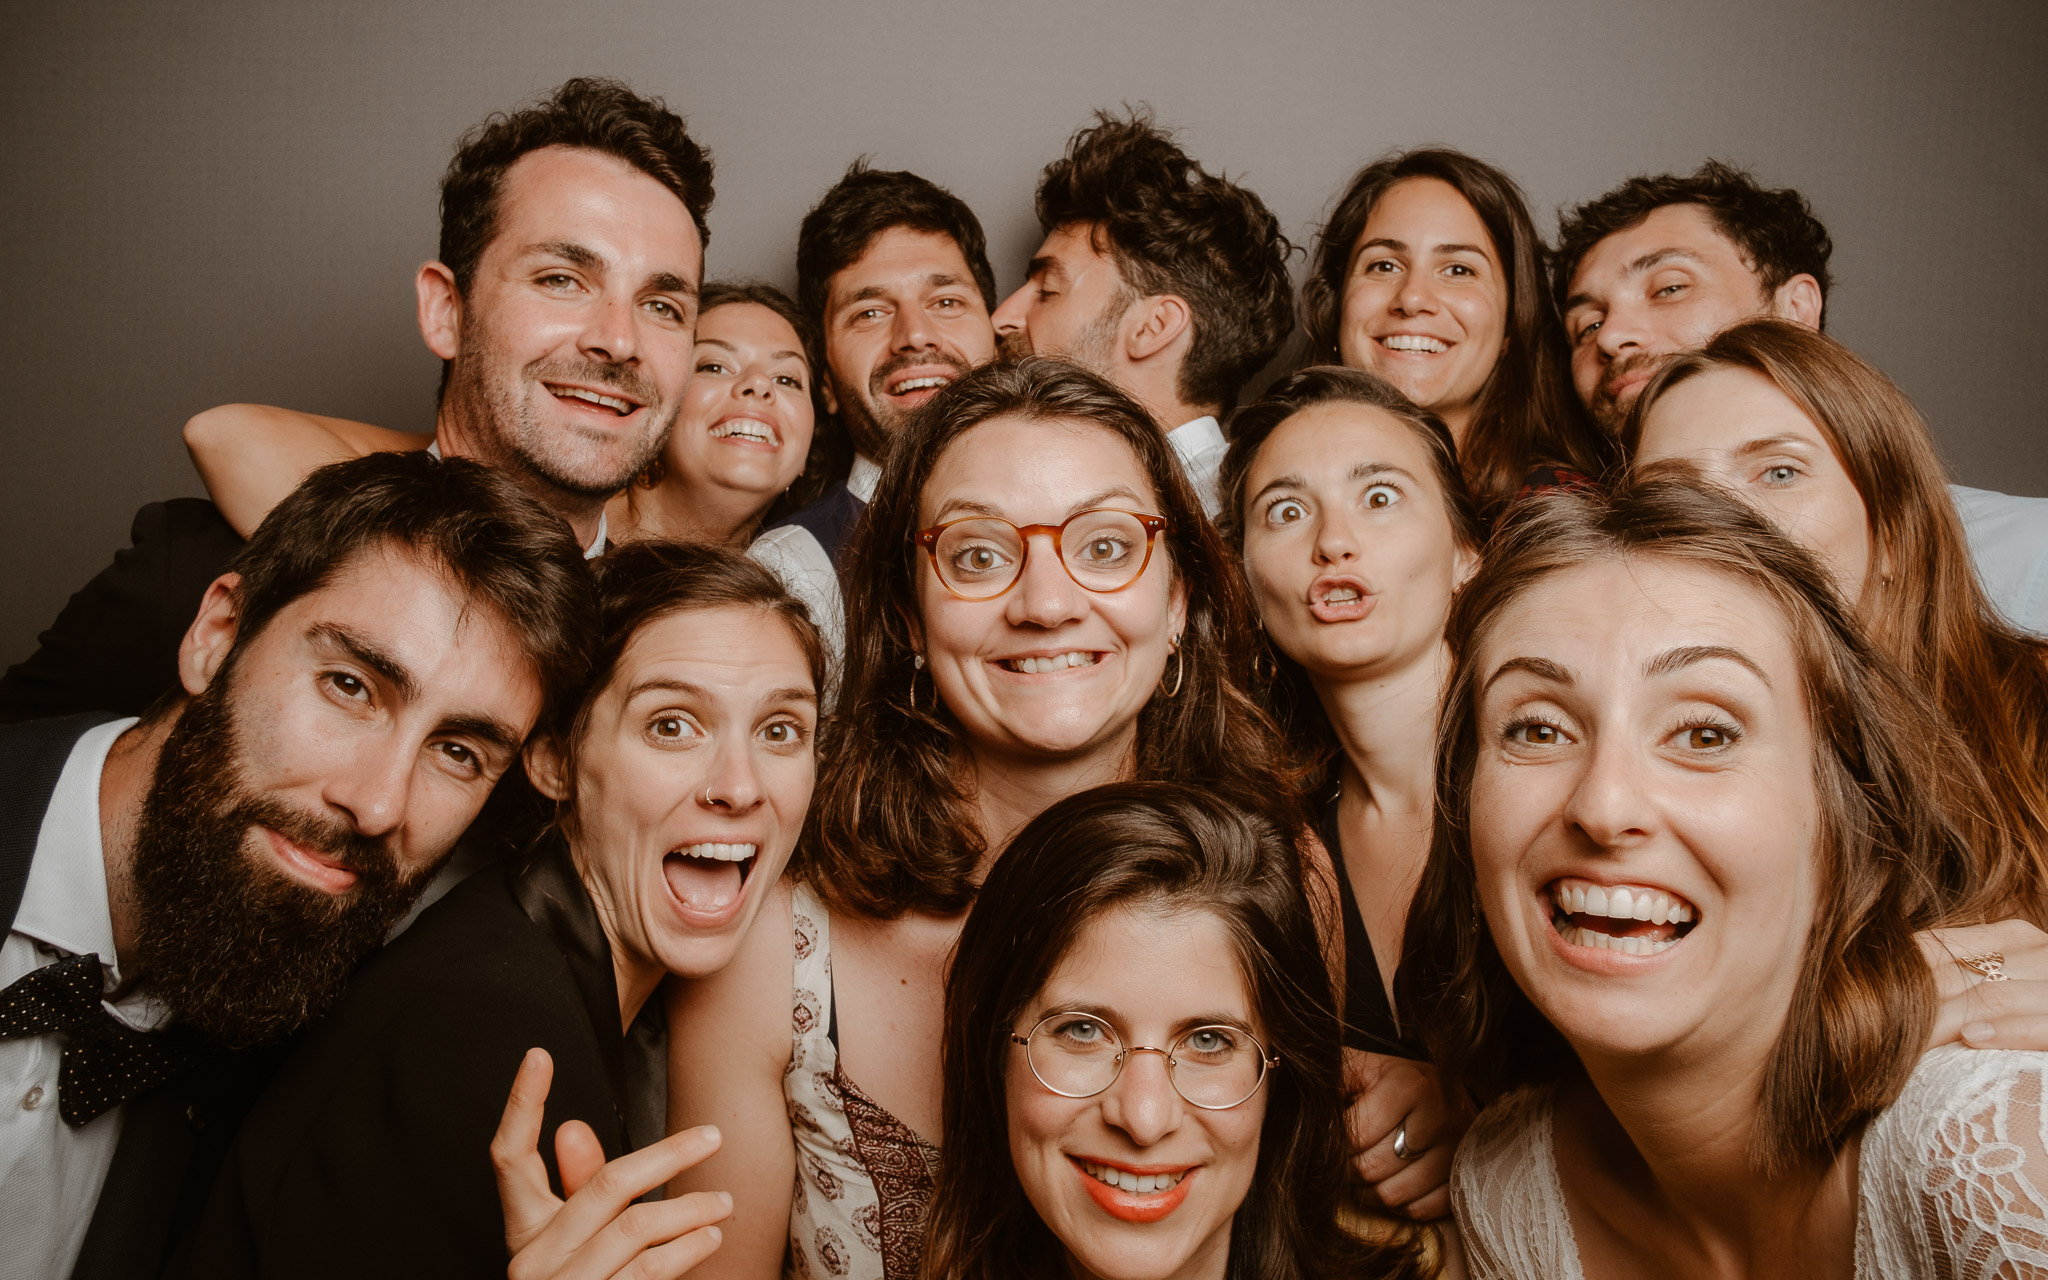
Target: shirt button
[(32, 1099)]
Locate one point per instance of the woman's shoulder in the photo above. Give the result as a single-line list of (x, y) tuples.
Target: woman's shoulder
[(1505, 1194), (1959, 1164)]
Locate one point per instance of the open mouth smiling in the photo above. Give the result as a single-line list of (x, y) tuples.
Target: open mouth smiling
[(1134, 1195), (708, 877), (1046, 664), (749, 430), (1634, 920), (1413, 343), (619, 405), (922, 382)]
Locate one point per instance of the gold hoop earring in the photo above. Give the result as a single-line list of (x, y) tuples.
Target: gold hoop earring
[(1180, 669)]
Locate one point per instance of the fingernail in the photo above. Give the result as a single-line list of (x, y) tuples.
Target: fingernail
[(1979, 1033), (726, 1196), (716, 1235), (711, 1132)]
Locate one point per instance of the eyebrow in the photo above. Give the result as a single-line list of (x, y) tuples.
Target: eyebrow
[(1541, 668), (1180, 1027), (936, 280), (1765, 444), (1359, 472), (773, 355), (1041, 266), (1401, 246), (591, 260), (487, 729), (1655, 258), (1678, 659), (1085, 504)]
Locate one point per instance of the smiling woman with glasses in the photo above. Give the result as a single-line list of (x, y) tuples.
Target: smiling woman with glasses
[(1139, 1016), (1036, 606)]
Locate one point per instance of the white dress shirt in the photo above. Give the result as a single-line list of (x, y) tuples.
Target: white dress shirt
[(794, 555), (1200, 445), (2009, 543), (50, 1173)]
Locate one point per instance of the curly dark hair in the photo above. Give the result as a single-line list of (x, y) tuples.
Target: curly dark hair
[(1527, 414), (867, 202), (589, 112), (1774, 229), (894, 825), (1172, 227)]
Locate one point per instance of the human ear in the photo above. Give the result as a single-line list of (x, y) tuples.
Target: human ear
[(1798, 300), (440, 308), (547, 766), (1464, 563), (1161, 320), (211, 636)]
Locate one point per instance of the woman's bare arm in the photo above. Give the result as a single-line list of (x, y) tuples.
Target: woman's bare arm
[(250, 456), (729, 1043)]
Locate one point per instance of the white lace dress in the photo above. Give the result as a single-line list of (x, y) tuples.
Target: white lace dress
[(863, 1177), (1953, 1180)]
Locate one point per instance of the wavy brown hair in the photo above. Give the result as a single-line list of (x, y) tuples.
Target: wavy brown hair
[(1528, 413), (894, 826), (1922, 604), (1148, 846), (1891, 862)]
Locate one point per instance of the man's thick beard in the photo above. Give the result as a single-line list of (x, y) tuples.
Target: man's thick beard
[(232, 945), (1607, 413), (498, 416)]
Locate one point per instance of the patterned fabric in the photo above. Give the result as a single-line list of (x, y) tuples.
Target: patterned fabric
[(1952, 1178), (863, 1178), (106, 1062)]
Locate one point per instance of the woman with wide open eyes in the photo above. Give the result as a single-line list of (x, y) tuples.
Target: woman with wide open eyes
[(1429, 274), (1037, 606), (749, 439), (1142, 1056), (1346, 503), (1837, 457), (1693, 823)]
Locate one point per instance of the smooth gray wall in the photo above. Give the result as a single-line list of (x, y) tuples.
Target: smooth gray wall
[(225, 201)]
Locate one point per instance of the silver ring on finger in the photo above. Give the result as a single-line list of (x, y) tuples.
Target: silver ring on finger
[(1991, 965), (1401, 1149)]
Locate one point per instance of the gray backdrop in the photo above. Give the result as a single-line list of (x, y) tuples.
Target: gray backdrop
[(226, 201)]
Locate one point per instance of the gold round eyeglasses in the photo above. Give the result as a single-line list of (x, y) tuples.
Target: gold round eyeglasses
[(1078, 1055), (981, 557)]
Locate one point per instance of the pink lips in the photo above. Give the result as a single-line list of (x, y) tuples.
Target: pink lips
[(304, 865), (1324, 609)]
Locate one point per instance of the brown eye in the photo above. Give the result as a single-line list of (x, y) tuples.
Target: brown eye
[(1705, 737)]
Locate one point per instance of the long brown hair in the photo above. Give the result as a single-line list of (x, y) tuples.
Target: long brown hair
[(1528, 413), (894, 825), (1171, 847), (1922, 603), (1891, 862)]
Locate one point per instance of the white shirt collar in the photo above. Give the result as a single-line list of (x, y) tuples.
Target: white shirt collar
[(1193, 439), (591, 552), (64, 904), (862, 478)]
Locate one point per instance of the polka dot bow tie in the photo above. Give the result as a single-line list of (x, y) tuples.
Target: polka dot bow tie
[(106, 1062)]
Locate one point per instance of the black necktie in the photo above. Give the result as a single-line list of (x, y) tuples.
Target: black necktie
[(106, 1061)]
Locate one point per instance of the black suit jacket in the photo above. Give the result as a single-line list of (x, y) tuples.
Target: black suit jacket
[(370, 1154), (172, 1138), (115, 645)]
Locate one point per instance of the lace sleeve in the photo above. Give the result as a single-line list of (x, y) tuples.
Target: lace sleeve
[(1506, 1198), (1955, 1173)]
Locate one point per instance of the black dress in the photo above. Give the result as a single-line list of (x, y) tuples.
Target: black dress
[(370, 1153), (1368, 1017)]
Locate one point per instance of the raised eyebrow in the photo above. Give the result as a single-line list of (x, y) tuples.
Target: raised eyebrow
[(1383, 242), (683, 687), (365, 652), (794, 693), (1366, 470), (1280, 482), (489, 730), (1541, 668), (1086, 504), (1689, 655)]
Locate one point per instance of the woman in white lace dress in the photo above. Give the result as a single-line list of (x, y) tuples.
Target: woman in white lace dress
[(1689, 829)]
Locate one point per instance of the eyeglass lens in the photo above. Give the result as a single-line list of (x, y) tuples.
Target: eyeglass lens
[(1212, 1067), (1103, 551)]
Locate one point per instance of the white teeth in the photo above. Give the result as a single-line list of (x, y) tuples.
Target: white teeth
[(719, 852), (745, 429), (917, 384), (1596, 901), (1620, 905), (1340, 594), (1057, 662), (1620, 902), (1414, 342), (1135, 1183), (613, 403), (1609, 942)]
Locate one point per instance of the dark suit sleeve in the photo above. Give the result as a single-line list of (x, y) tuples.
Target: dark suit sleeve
[(372, 1157), (115, 646)]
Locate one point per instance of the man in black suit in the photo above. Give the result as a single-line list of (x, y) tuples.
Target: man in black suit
[(564, 308), (184, 890)]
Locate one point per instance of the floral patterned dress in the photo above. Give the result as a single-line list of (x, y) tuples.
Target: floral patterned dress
[(863, 1177)]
